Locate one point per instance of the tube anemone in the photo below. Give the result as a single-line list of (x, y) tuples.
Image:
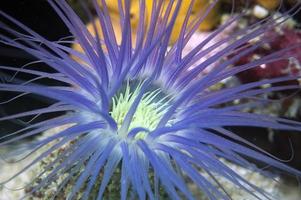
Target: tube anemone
[(143, 111)]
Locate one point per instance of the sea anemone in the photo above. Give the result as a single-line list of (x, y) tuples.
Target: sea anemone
[(145, 111)]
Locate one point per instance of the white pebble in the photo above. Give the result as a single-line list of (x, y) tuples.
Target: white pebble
[(260, 12)]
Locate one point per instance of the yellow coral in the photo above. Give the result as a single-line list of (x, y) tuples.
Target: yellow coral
[(269, 4), (211, 20), (117, 30), (114, 10), (213, 17)]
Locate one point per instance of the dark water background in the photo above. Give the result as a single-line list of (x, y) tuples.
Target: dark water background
[(39, 16)]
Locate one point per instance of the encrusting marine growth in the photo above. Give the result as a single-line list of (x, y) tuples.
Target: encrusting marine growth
[(140, 114)]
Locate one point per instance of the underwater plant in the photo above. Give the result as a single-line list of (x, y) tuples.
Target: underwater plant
[(144, 112)]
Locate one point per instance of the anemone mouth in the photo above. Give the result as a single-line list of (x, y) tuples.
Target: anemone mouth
[(151, 107)]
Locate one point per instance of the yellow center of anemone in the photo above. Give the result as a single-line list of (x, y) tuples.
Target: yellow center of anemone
[(148, 113)]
